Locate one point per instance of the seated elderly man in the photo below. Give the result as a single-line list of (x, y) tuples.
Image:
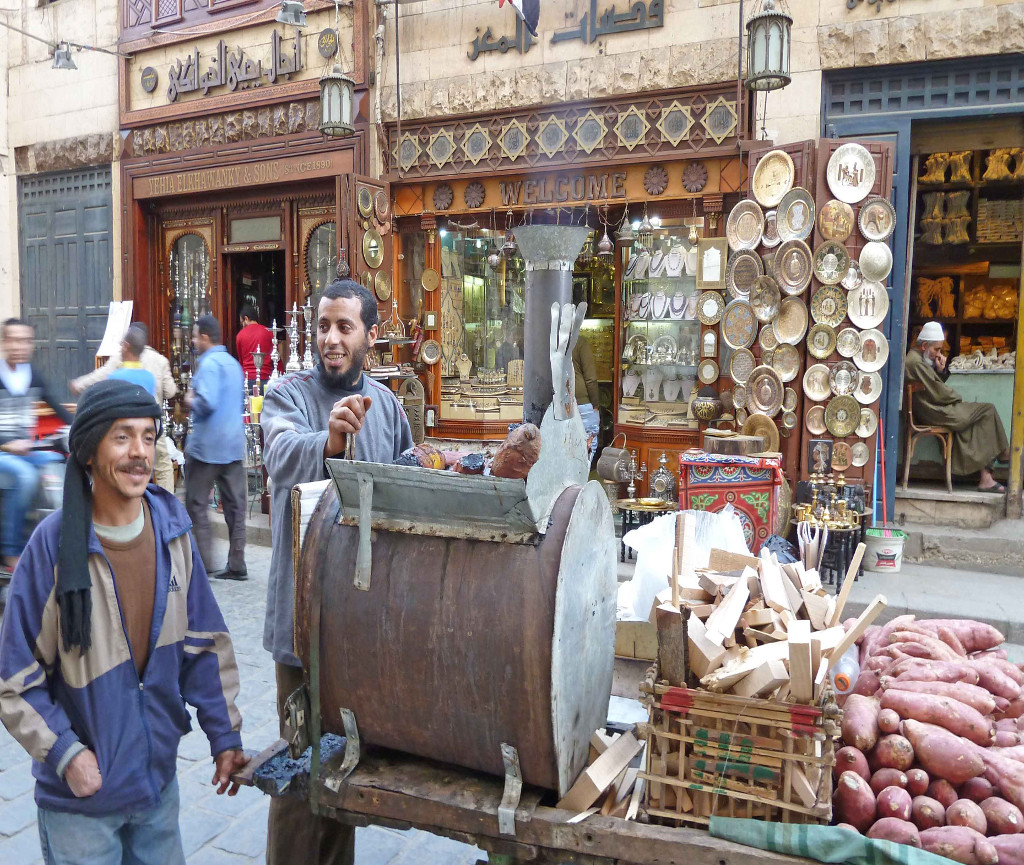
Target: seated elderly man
[(978, 435)]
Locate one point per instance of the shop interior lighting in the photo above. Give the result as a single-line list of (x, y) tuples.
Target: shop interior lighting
[(292, 13)]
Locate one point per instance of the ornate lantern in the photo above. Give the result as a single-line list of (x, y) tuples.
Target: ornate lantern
[(337, 101), (768, 44)]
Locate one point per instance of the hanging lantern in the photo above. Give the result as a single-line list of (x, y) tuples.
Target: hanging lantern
[(510, 244), (605, 247), (337, 99), (493, 256), (624, 234), (768, 43)]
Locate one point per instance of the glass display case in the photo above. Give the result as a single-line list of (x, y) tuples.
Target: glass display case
[(660, 331), (189, 270)]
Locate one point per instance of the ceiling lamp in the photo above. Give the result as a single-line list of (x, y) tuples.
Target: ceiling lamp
[(768, 44), (337, 100), (62, 57), (293, 13)]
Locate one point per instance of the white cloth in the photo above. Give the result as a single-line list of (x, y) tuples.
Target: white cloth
[(16, 379)]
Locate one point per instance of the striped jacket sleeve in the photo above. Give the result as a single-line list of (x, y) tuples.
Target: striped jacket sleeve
[(28, 651), (209, 673)]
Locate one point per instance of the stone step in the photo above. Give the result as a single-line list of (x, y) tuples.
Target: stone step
[(930, 504), (998, 549)]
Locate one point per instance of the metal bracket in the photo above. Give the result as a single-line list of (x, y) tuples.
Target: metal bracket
[(513, 791), (364, 554), (351, 759), (296, 714)]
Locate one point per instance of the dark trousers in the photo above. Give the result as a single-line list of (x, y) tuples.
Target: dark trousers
[(231, 484), (294, 834)]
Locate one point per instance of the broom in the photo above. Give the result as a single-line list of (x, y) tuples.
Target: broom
[(886, 531)]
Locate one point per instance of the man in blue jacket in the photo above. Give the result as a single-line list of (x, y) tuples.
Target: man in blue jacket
[(110, 629), (215, 450)]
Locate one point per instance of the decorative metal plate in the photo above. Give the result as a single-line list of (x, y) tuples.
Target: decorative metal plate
[(821, 341), (710, 306), (773, 178), (842, 414), (741, 366), (373, 247), (793, 266), (707, 371), (828, 306), (382, 285), (767, 340), (876, 261), (843, 378), (848, 342), (741, 416), (814, 420), (430, 279), (381, 205), (762, 425), (853, 277), (739, 396), (791, 323), (831, 262), (786, 362), (868, 304), (790, 399), (842, 456), (868, 425), (795, 218), (663, 350), (859, 454), (768, 355), (869, 388), (430, 352), (816, 382), (788, 420), (739, 327), (850, 173), (877, 218), (765, 391), (367, 280), (874, 351), (770, 238), (742, 272), (764, 299), (835, 220), (364, 201), (745, 226)]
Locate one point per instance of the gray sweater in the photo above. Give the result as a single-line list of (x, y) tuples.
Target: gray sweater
[(294, 421)]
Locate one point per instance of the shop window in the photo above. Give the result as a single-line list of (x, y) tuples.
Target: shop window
[(321, 256), (189, 269), (255, 229)]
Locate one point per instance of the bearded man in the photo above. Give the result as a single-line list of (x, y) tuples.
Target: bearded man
[(305, 420), (978, 435)]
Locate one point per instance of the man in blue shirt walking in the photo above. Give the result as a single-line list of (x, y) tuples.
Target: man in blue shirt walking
[(215, 450)]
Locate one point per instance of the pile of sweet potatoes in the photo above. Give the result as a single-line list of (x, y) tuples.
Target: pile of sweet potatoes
[(933, 742)]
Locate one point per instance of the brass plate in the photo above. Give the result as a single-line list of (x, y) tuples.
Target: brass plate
[(710, 306), (382, 285), (707, 371), (745, 226), (831, 262), (796, 215), (877, 219), (764, 299), (821, 341), (793, 267), (876, 261), (773, 178), (790, 399), (842, 414), (762, 425), (786, 362), (767, 339), (835, 220), (842, 456), (788, 420), (741, 416), (874, 351), (739, 396), (367, 280), (791, 323), (381, 205), (739, 327), (816, 385), (868, 304), (828, 306), (853, 277), (814, 420), (364, 202), (430, 279), (742, 272), (851, 173), (843, 378), (741, 366), (765, 391), (770, 239), (373, 247), (430, 352), (768, 355), (868, 425), (859, 454), (869, 388), (848, 342)]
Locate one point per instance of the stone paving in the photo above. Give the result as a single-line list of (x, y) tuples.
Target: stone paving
[(218, 830)]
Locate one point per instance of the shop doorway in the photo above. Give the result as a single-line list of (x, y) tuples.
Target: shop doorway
[(255, 278)]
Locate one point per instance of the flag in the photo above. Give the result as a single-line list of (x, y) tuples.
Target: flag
[(528, 10)]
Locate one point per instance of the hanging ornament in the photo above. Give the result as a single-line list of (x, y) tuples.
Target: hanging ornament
[(624, 234), (605, 247)]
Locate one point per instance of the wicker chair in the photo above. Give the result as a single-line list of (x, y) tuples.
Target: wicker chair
[(915, 431)]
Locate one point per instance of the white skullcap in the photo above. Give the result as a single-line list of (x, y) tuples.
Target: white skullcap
[(931, 332)]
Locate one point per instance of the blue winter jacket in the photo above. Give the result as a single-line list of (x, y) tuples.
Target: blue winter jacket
[(51, 700)]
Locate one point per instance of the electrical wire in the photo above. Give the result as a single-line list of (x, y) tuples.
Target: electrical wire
[(54, 45)]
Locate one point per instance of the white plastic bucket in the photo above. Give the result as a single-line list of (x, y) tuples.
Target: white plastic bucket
[(884, 550)]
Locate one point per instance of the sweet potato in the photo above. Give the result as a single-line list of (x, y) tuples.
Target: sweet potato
[(847, 826), (887, 778), (894, 829), (993, 653), (942, 792), (927, 813), (964, 812), (1007, 774), (1009, 724), (975, 697), (976, 789), (850, 759), (974, 636), (1014, 710), (894, 802), (935, 648), (961, 844), (860, 722), (951, 640), (1016, 752), (908, 649), (917, 782), (1004, 818), (937, 671), (1010, 849), (892, 752), (867, 682), (957, 717), (1010, 669), (1006, 738), (854, 802), (942, 754), (995, 680), (888, 721), (881, 636)]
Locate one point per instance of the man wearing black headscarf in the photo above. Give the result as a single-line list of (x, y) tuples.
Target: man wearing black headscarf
[(111, 622)]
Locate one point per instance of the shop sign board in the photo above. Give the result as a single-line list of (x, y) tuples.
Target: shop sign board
[(561, 188)]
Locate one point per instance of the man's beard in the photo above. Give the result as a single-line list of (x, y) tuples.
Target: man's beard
[(343, 380), (928, 359)]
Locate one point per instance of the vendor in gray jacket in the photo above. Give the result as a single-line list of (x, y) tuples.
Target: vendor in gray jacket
[(305, 420)]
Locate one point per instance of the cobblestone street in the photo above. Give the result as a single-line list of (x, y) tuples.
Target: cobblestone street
[(218, 830)]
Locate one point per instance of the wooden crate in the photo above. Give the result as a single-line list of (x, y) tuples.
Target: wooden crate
[(719, 754)]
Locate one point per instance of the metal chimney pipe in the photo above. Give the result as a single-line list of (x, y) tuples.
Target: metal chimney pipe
[(550, 252)]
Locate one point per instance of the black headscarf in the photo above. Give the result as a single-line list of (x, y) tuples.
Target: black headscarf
[(101, 405)]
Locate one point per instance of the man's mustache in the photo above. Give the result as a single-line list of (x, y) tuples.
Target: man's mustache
[(132, 465)]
